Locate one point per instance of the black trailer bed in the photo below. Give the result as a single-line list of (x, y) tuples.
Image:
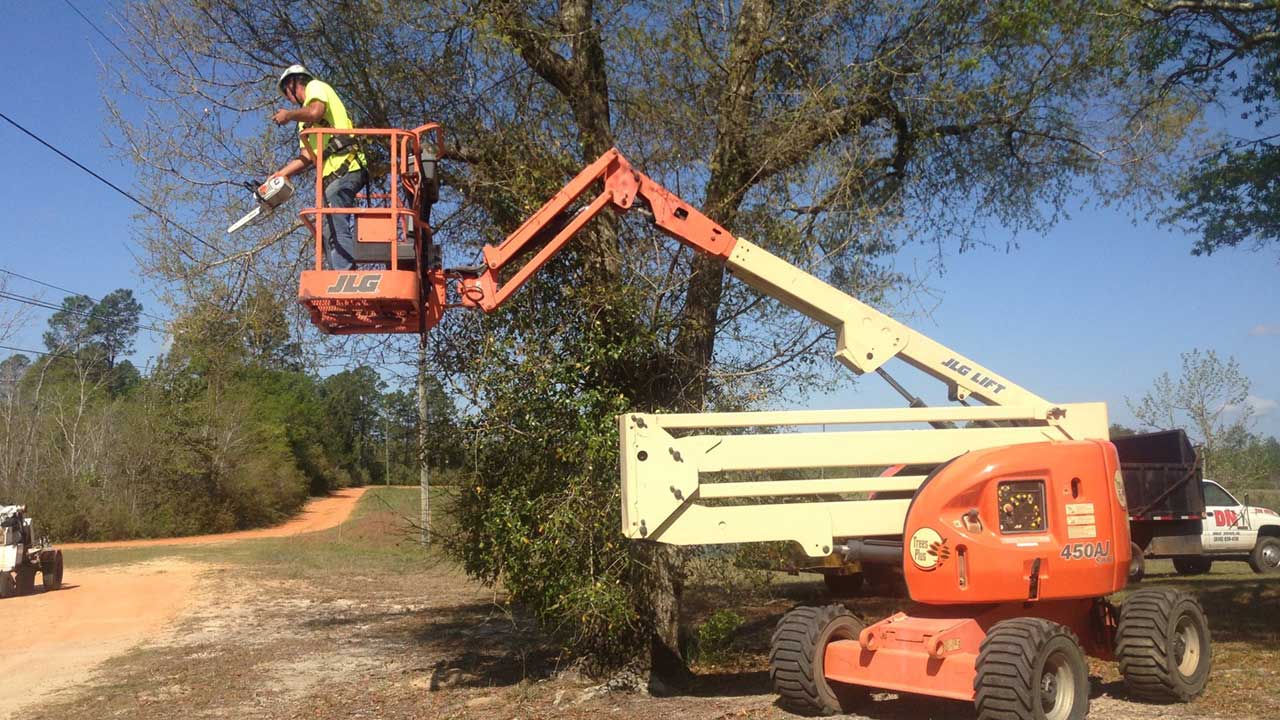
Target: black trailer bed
[(1163, 484), (1162, 477)]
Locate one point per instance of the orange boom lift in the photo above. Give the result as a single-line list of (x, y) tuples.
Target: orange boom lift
[(1010, 539)]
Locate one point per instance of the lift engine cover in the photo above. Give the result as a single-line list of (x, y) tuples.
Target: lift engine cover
[(1021, 523)]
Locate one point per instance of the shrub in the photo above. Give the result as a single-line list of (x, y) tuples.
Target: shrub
[(715, 636)]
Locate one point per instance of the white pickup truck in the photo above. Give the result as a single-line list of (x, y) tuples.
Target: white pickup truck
[(1234, 531)]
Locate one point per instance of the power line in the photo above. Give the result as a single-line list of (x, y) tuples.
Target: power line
[(120, 190), (106, 37), (36, 302), (103, 180), (48, 285), (36, 352), (73, 292)]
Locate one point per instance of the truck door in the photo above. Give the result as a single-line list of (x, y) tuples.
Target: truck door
[(1226, 525)]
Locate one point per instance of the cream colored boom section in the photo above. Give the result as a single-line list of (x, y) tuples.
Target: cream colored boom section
[(667, 496), (867, 338)]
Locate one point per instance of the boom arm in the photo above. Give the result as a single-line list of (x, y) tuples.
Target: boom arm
[(865, 337), (683, 483)]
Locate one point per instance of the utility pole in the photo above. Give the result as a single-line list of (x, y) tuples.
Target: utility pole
[(386, 443), (424, 479)]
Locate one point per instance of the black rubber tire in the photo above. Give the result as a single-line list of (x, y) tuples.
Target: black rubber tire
[(26, 580), (1137, 564), (1021, 662), (8, 585), (1265, 557), (1192, 565), (1153, 645), (796, 655), (52, 576), (843, 585)]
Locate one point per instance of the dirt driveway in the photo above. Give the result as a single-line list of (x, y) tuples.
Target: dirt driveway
[(54, 640), (318, 514)]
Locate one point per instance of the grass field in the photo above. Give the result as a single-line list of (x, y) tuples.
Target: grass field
[(1260, 498), (1243, 609), (381, 534)]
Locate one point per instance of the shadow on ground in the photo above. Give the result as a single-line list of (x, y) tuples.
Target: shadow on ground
[(479, 645)]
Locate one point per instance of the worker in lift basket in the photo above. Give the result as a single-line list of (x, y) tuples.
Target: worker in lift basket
[(345, 170)]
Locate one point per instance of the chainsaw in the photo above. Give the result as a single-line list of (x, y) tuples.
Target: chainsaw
[(270, 195)]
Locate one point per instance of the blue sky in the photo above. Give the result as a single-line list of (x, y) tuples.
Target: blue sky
[(1093, 310)]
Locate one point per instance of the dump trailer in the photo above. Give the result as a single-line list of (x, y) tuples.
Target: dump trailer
[(1010, 529), (22, 555), (1175, 513), (1162, 477)]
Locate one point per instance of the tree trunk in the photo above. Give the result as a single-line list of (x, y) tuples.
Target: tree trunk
[(730, 177), (664, 581), (695, 341), (424, 479)]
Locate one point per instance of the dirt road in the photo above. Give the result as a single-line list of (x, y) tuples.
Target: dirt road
[(55, 640), (54, 637), (319, 514)]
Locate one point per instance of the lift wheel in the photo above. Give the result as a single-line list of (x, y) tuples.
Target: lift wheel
[(1163, 645), (796, 657), (1031, 668)]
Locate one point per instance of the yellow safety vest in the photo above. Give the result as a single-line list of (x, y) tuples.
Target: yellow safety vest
[(335, 116)]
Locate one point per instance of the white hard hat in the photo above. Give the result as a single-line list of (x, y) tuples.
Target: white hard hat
[(294, 69)]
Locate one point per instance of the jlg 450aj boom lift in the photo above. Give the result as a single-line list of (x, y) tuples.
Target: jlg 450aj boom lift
[(1009, 525)]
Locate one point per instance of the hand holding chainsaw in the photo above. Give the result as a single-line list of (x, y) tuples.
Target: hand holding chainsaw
[(271, 194)]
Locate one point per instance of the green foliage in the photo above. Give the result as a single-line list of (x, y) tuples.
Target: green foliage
[(1208, 399), (351, 402), (715, 636), (1246, 460), (1118, 430), (69, 325), (226, 432), (1232, 198), (540, 511), (1227, 52), (105, 328), (114, 322)]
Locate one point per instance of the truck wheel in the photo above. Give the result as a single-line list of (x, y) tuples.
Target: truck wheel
[(1137, 564), (52, 575), (1192, 565), (26, 580), (8, 586), (796, 655), (843, 585), (1031, 668), (1163, 645), (1265, 557)]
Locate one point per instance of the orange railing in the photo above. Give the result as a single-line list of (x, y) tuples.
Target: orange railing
[(404, 169)]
